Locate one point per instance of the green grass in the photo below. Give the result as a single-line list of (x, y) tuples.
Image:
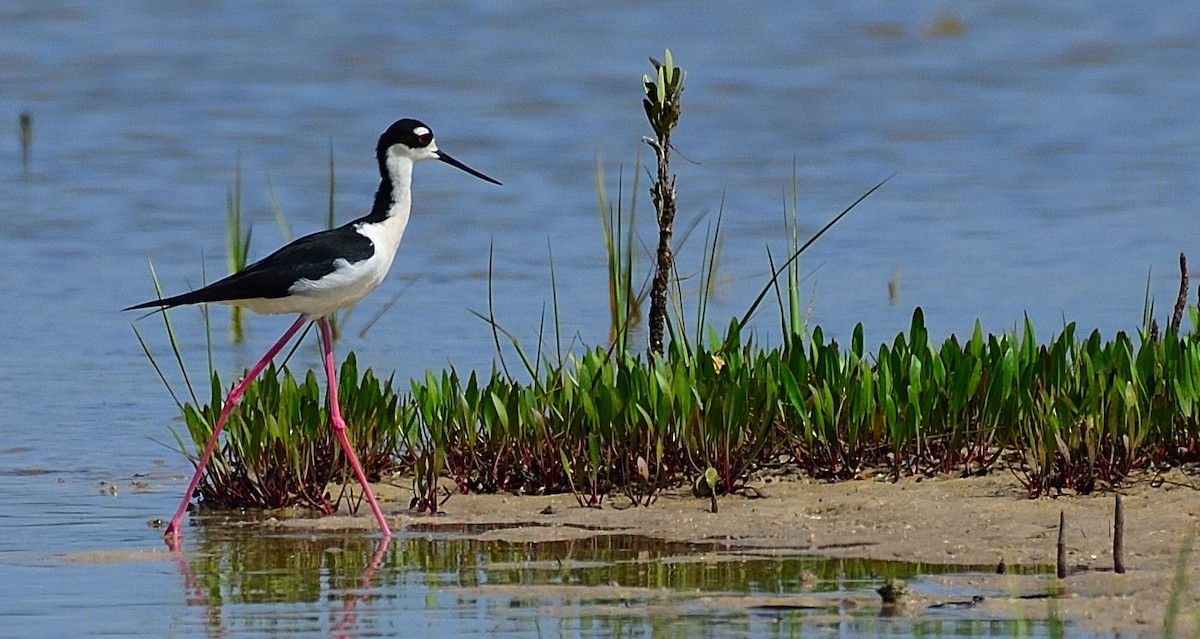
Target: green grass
[(277, 448), (1068, 413), (279, 451), (237, 246), (1077, 410), (238, 235)]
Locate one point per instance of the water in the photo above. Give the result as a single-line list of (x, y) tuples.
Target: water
[(238, 581), (1047, 158)]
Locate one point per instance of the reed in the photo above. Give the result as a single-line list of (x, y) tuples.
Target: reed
[(237, 246), (26, 126)]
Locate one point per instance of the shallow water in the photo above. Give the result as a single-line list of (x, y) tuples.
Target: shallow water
[(239, 581), (1047, 160)]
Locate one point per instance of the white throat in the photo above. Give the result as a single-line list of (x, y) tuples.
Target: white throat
[(387, 234)]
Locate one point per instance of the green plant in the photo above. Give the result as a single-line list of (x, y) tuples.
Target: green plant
[(1072, 412), (237, 244), (619, 233), (662, 106), (276, 450)]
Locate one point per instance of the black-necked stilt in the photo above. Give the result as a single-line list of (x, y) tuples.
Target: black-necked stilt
[(319, 274)]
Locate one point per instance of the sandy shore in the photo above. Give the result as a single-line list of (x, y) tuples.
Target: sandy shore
[(980, 521)]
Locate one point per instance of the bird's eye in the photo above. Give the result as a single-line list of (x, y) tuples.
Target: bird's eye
[(424, 139)]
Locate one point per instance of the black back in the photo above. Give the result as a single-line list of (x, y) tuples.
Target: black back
[(313, 256)]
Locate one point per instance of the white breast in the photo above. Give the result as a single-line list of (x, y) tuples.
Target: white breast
[(349, 283)]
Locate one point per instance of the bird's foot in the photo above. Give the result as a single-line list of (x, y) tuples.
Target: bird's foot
[(173, 537)]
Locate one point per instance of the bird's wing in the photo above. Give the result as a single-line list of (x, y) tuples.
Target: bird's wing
[(310, 257)]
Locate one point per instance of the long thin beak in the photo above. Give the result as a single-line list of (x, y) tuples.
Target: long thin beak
[(445, 157)]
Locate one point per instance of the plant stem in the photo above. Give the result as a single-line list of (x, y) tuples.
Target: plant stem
[(662, 110), (663, 194)]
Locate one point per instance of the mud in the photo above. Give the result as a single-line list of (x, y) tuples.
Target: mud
[(973, 521)]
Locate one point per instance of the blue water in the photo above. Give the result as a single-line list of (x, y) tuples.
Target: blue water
[(1047, 161)]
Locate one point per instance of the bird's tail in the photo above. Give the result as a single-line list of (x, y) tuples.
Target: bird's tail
[(194, 297)]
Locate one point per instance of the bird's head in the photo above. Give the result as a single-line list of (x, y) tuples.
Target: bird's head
[(412, 141)]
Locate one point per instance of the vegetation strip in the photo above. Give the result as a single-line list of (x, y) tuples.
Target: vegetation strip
[(715, 408)]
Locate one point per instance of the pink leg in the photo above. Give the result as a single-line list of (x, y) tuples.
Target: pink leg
[(347, 623), (339, 425), (173, 535)]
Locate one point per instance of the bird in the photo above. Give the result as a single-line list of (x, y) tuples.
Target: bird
[(317, 275)]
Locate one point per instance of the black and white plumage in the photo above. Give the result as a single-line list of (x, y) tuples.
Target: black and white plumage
[(317, 275), (330, 270)]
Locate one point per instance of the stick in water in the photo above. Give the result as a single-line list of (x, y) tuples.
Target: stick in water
[(1118, 537), (1062, 545)]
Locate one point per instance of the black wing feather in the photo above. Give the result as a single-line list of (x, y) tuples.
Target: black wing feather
[(310, 257)]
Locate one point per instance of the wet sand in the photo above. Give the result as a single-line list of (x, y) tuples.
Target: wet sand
[(979, 521)]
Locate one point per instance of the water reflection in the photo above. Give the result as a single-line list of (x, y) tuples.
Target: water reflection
[(241, 570), (247, 579), (1048, 159)]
